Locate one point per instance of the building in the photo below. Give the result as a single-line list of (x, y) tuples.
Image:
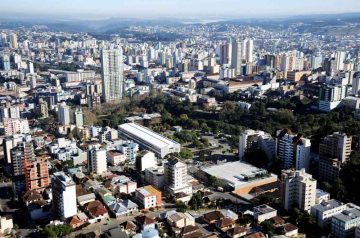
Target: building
[(334, 150), (155, 176), (146, 159), (236, 55), (13, 41), (343, 224), (64, 114), (149, 140), (356, 86), (43, 108), (324, 211), (130, 150), (97, 160), (36, 174), (297, 75), (6, 225), (6, 63), (79, 117), (293, 151), (176, 177), (336, 146), (115, 157), (264, 212), (148, 197), (112, 75), (239, 177), (16, 126), (252, 140), (330, 97), (298, 189), (64, 196)]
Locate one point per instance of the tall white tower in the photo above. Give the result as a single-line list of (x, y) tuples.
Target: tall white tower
[(236, 58), (64, 196), (112, 75)]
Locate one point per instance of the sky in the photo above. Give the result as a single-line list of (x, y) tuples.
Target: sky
[(174, 8)]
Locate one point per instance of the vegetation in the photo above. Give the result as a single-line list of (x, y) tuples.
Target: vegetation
[(196, 201), (52, 231)]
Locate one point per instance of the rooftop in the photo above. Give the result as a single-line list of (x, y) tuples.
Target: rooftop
[(236, 173), (148, 135)]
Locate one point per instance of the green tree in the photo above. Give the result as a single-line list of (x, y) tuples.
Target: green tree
[(196, 201)]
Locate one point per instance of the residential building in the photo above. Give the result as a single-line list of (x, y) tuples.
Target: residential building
[(298, 189), (146, 159), (324, 211), (334, 150), (149, 140), (112, 75), (264, 212), (293, 151), (149, 197), (16, 126), (176, 177), (343, 224), (251, 140), (79, 117), (36, 174), (97, 160), (155, 176), (64, 196), (64, 114)]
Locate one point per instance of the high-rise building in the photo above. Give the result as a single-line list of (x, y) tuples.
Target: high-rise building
[(112, 75), (79, 117), (298, 190), (293, 150), (356, 86), (97, 161), (249, 43), (21, 157), (236, 56), (339, 60), (252, 140), (334, 150), (30, 67), (330, 97), (16, 126), (36, 174), (64, 196), (43, 108), (13, 41), (225, 53), (6, 63), (64, 114), (176, 177)]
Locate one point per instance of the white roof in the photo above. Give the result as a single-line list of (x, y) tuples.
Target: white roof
[(148, 135), (234, 172)]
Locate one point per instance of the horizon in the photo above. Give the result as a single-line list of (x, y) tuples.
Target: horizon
[(176, 9)]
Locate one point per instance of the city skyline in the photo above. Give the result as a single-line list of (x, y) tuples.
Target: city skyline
[(175, 9)]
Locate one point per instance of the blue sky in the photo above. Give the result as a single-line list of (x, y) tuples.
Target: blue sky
[(175, 8)]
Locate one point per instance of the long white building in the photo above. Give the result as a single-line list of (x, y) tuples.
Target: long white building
[(149, 140)]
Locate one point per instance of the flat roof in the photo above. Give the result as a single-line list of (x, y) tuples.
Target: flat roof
[(148, 135), (235, 172)]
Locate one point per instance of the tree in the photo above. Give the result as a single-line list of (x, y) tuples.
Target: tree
[(214, 181), (268, 227), (196, 201), (53, 231), (180, 206), (185, 154)]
